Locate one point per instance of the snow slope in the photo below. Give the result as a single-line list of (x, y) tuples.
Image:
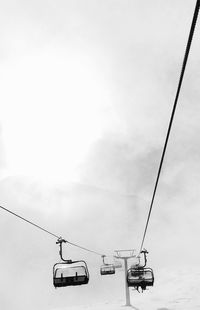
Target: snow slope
[(173, 290)]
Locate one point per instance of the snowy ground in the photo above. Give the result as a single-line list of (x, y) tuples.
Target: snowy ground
[(173, 290)]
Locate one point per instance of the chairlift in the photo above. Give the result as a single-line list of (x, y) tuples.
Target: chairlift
[(139, 276), (68, 272), (107, 269), (117, 264)]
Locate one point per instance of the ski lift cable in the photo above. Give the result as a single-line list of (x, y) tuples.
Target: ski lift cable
[(187, 51), (50, 233)]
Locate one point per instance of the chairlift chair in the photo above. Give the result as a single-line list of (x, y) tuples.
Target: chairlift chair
[(68, 272), (140, 277), (107, 269), (118, 264)]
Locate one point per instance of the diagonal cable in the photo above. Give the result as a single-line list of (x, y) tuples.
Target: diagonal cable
[(48, 232), (187, 51)]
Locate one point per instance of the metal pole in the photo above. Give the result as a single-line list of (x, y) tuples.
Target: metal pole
[(125, 258), (128, 303)]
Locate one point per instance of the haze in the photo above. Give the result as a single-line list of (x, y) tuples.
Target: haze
[(87, 89)]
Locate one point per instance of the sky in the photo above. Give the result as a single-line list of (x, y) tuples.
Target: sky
[(87, 88)]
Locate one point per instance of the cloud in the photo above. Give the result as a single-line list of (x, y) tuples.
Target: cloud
[(132, 53)]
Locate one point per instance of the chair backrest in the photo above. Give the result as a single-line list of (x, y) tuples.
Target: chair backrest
[(70, 271)]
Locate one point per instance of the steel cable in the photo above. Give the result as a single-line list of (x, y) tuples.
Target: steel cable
[(50, 233), (187, 51)]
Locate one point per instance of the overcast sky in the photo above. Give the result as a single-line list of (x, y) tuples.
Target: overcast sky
[(87, 89)]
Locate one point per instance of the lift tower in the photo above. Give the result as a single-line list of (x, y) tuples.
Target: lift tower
[(125, 255)]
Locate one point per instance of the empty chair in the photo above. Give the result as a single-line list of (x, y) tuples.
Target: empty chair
[(75, 273), (117, 264), (107, 269)]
